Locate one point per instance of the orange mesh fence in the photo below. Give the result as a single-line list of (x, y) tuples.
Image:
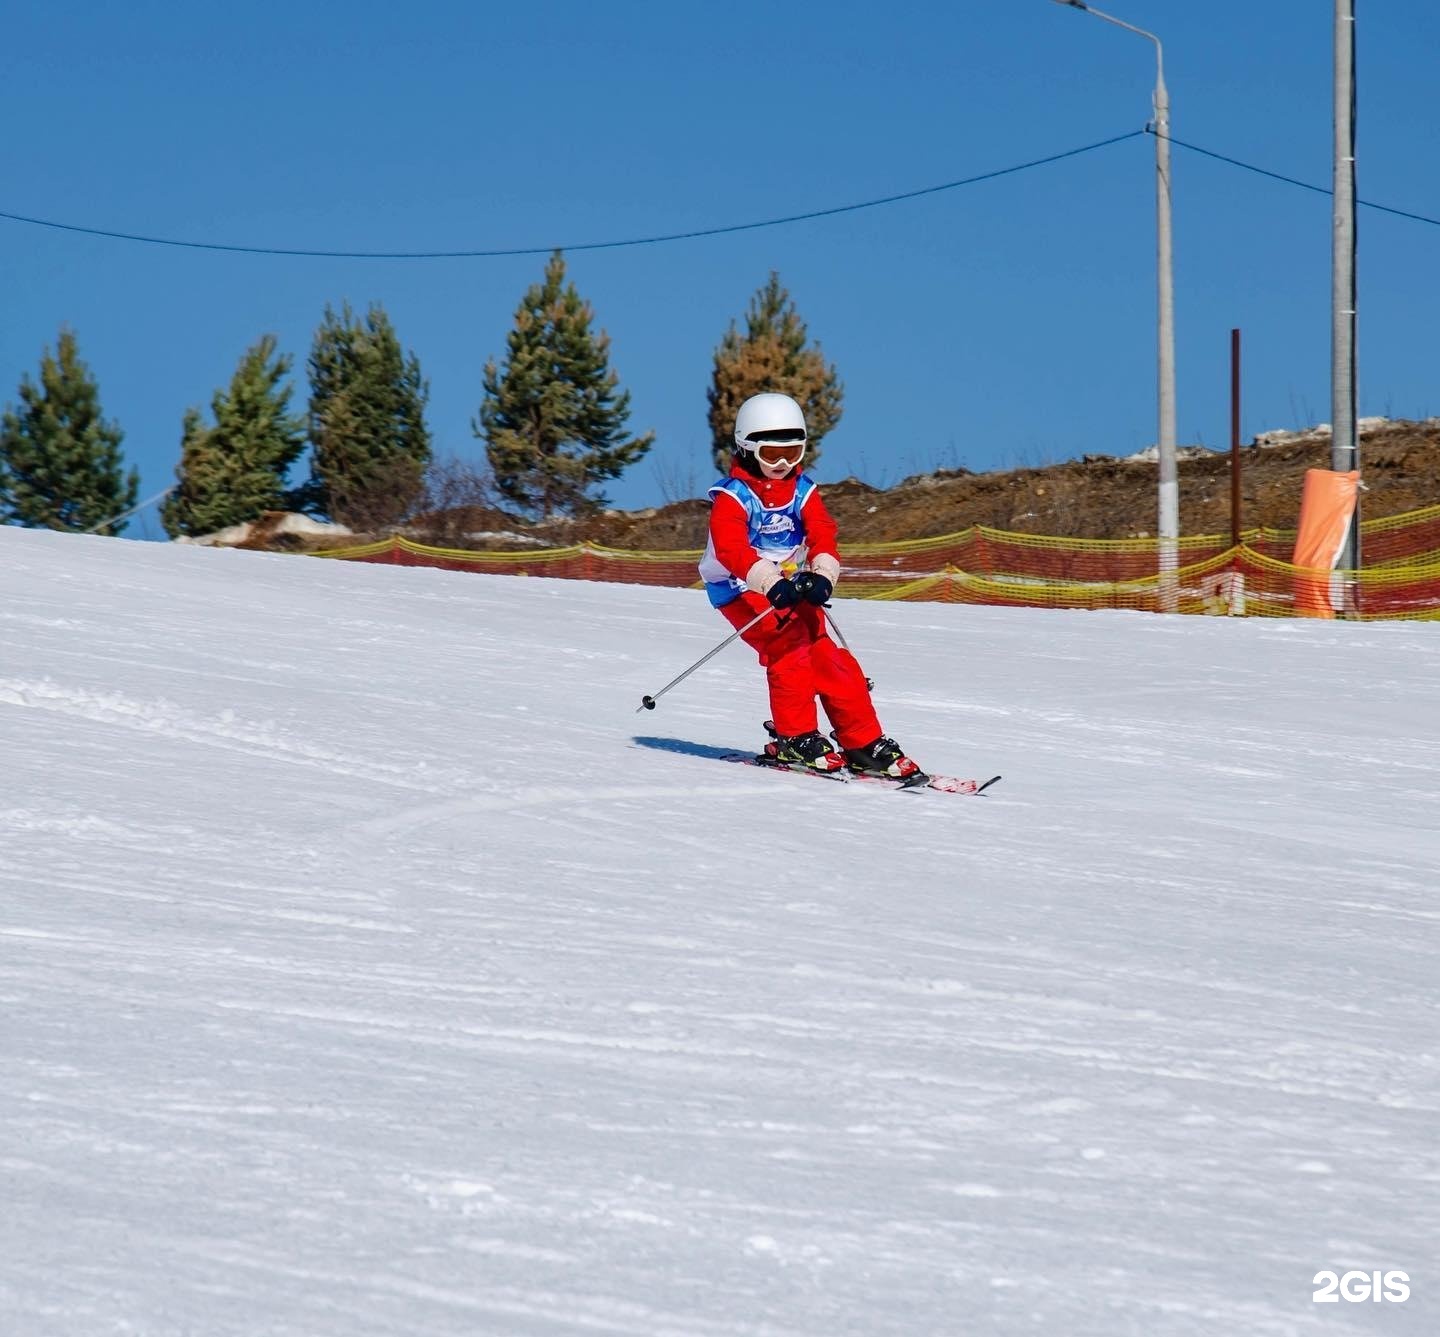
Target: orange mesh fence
[(1401, 540), (1412, 538), (583, 562), (981, 565)]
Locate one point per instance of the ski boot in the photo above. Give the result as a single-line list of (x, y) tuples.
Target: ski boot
[(812, 750), (884, 757)]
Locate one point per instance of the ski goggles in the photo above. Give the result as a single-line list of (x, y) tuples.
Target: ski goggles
[(780, 452)]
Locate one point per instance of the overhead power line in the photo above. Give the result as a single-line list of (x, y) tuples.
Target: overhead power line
[(581, 246), (697, 232), (1291, 181)]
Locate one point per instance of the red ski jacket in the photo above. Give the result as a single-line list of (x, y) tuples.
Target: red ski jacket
[(730, 526)]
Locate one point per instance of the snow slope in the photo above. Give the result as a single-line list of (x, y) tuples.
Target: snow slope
[(369, 967)]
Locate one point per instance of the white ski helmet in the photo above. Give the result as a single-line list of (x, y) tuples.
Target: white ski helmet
[(769, 417)]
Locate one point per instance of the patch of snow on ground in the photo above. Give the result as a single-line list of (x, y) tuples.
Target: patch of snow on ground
[(370, 968)]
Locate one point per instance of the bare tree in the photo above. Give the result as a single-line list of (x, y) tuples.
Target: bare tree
[(458, 498)]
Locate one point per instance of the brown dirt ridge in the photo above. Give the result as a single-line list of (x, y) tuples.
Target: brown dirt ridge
[(1095, 497), (1098, 497)]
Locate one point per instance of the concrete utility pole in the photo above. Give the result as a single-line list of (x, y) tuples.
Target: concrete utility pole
[(1169, 492), (1344, 422)]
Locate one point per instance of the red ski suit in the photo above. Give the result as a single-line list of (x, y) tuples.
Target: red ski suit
[(801, 661)]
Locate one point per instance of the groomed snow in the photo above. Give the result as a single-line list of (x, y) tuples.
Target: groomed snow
[(370, 969)]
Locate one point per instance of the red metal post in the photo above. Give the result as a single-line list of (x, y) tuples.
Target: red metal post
[(1235, 516)]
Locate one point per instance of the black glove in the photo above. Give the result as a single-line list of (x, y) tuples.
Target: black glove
[(784, 593), (814, 588)]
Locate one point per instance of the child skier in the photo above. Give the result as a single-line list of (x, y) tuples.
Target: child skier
[(764, 519)]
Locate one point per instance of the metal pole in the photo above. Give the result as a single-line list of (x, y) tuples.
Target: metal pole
[(648, 702), (1237, 519), (844, 644), (1169, 476), (1344, 442), (1235, 501), (134, 510), (1168, 519), (835, 627)]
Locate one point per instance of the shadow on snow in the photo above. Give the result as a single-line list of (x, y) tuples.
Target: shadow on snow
[(686, 748)]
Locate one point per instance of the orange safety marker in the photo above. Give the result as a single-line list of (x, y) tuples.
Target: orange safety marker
[(1327, 506)]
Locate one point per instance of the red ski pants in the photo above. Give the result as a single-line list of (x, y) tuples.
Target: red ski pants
[(802, 662)]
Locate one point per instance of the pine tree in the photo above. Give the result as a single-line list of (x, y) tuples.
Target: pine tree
[(772, 355), (367, 421), (233, 471), (60, 461), (552, 419)]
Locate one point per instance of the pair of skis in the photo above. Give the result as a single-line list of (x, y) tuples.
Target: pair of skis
[(944, 784)]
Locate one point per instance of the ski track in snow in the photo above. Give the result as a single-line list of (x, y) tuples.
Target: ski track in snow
[(319, 1019)]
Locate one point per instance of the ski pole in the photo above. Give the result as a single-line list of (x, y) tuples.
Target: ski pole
[(648, 702), (844, 644)]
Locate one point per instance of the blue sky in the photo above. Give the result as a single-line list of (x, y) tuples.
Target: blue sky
[(1007, 323)]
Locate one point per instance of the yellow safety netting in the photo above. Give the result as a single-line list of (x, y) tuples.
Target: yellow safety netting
[(981, 565)]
